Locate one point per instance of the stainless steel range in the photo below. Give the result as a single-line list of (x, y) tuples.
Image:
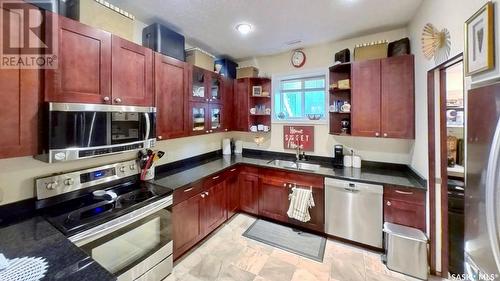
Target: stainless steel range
[(121, 222)]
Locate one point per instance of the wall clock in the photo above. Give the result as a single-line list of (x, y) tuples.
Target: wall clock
[(298, 58)]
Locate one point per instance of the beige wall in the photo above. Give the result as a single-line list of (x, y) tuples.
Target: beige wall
[(450, 14), (319, 58), (97, 15), (17, 175)]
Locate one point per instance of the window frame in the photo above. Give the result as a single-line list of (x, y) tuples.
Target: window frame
[(276, 84)]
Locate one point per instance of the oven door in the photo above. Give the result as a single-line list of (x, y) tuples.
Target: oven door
[(137, 246)]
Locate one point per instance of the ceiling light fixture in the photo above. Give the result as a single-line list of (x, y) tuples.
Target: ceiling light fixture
[(244, 28)]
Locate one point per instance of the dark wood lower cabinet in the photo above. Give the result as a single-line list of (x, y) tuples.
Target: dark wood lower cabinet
[(232, 192), (214, 207), (404, 206), (187, 224), (273, 199), (249, 192)]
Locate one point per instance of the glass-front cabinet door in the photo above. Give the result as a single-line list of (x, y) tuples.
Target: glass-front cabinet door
[(198, 119), (215, 88), (198, 85), (216, 121)]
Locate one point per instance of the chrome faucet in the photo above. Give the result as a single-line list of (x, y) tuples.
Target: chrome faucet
[(298, 155)]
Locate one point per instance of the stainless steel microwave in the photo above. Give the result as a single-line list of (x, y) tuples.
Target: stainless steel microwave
[(78, 131)]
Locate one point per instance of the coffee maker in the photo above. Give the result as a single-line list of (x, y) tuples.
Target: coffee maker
[(338, 156)]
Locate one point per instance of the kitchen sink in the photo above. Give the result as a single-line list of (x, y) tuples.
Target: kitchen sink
[(294, 165)]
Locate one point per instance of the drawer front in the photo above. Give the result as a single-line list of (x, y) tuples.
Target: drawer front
[(292, 177), (213, 180), (404, 213), (405, 194), (182, 194)]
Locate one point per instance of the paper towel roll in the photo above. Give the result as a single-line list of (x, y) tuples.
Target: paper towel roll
[(226, 146), (347, 161), (356, 161), (238, 147)]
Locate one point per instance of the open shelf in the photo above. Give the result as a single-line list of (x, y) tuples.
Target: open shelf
[(259, 101), (339, 96)]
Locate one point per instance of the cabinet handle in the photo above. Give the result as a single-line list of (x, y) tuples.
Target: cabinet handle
[(389, 203), (118, 100), (232, 170), (404, 192), (216, 177), (106, 98), (377, 134), (160, 137), (385, 135), (189, 189)]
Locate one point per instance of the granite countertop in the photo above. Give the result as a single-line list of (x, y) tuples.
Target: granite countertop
[(35, 237), (365, 174)]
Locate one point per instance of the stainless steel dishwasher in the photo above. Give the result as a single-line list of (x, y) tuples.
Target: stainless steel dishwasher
[(353, 211)]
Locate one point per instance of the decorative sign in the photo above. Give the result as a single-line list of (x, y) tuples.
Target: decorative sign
[(298, 135)]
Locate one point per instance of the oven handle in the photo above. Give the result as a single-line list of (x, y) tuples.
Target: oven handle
[(90, 235), (148, 126)]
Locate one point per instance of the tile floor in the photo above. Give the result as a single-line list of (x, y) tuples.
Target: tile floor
[(227, 255)]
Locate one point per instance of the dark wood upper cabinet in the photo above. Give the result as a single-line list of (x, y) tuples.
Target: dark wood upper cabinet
[(398, 97), (366, 98), (132, 73), (84, 70), (198, 118), (240, 105), (228, 98), (198, 84), (21, 96), (171, 87), (383, 98), (249, 192)]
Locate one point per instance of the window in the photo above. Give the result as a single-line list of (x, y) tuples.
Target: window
[(300, 98)]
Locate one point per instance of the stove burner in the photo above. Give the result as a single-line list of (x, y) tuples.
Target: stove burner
[(99, 206)]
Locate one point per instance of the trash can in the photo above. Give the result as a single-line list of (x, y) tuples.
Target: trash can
[(406, 250)]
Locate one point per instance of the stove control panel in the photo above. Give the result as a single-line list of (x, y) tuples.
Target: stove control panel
[(68, 182)]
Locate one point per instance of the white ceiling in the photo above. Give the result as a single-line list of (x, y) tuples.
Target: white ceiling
[(209, 24)]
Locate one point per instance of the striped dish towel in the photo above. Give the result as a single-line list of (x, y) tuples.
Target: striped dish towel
[(300, 202)]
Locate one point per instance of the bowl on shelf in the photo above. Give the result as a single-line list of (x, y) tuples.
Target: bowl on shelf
[(314, 116)]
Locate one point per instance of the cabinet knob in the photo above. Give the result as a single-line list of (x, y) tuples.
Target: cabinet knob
[(160, 137), (389, 203), (206, 193), (207, 131), (225, 130), (377, 134), (203, 195), (385, 135), (118, 100), (211, 131), (207, 100), (105, 99)]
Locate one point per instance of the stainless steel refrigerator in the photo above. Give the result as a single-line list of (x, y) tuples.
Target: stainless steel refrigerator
[(482, 192)]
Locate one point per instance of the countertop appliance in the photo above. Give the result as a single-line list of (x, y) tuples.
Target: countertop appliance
[(77, 131), (353, 211), (456, 219), (338, 156), (482, 190), (123, 223)]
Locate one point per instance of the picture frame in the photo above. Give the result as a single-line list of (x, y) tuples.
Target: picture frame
[(479, 41), (257, 91)]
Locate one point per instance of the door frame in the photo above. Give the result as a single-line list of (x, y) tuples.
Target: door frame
[(431, 106)]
